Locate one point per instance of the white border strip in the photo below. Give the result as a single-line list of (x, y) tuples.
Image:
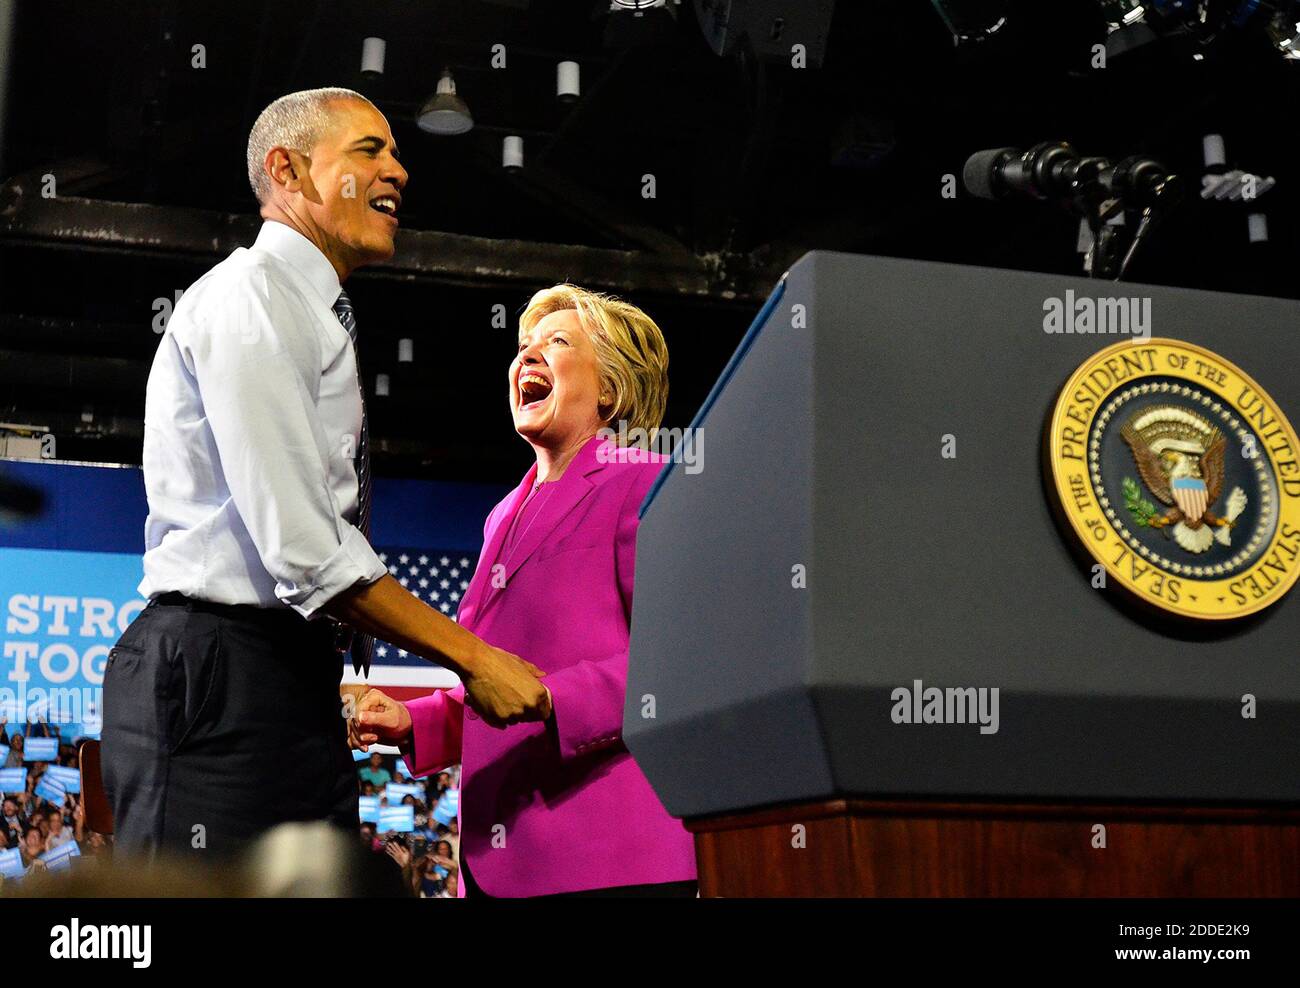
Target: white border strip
[(427, 676)]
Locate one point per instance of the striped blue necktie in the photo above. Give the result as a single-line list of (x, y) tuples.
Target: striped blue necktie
[(362, 644)]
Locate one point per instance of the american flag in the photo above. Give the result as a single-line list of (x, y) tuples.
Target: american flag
[(438, 577)]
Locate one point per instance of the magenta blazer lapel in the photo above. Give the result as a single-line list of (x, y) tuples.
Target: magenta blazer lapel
[(569, 491), (480, 587)]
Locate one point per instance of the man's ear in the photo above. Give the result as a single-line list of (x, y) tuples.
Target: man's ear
[(279, 165), (291, 170)]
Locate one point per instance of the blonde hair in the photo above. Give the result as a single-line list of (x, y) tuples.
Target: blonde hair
[(630, 347), (297, 122)]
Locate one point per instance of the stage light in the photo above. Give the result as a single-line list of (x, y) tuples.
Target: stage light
[(405, 351), (1214, 151), (767, 28), (1228, 185), (445, 113), (640, 22), (372, 56), (1127, 29), (381, 385), (1123, 12), (567, 83), (1284, 31), (512, 153), (972, 20), (1197, 23)]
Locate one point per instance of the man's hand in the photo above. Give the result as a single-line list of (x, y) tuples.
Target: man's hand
[(350, 695), (354, 690), (500, 687), (503, 689), (379, 719), (355, 741)]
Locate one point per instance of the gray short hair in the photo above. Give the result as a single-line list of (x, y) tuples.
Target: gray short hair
[(296, 121)]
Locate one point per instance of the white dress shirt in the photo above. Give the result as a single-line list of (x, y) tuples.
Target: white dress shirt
[(252, 422)]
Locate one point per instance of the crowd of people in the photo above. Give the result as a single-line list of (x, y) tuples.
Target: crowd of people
[(428, 855), (32, 823)]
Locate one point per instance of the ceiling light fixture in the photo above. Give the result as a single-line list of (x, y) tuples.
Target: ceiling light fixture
[(512, 153), (372, 56), (568, 86), (444, 112)]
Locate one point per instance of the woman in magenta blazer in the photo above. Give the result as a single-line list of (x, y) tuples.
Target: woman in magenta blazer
[(559, 806)]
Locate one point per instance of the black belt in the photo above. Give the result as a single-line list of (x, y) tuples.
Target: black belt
[(283, 617)]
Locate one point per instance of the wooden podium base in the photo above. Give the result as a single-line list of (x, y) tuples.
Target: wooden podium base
[(852, 847)]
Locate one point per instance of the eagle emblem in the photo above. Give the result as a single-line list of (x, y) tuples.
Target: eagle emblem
[(1179, 456)]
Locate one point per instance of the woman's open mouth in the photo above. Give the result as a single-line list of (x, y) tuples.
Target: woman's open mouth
[(533, 390)]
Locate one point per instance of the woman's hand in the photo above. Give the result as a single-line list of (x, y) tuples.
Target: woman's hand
[(380, 720)]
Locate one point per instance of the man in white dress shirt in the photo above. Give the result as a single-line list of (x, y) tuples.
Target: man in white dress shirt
[(222, 714)]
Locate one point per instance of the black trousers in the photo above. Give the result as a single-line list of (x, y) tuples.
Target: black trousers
[(220, 722)]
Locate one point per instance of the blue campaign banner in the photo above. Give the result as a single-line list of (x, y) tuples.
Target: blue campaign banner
[(60, 859), (395, 792), (403, 770), (69, 778), (87, 545), (369, 809), (448, 806), (13, 780), (63, 611), (400, 818), (40, 749), (4, 753), (11, 864), (50, 789)]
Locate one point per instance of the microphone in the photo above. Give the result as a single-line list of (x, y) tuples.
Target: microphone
[(1054, 170), (1099, 192), (1142, 182), (1051, 170)]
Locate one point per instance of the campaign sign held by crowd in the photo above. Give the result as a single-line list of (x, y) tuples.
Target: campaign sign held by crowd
[(400, 818)]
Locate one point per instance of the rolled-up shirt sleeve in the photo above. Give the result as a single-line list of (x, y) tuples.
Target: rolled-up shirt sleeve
[(258, 388)]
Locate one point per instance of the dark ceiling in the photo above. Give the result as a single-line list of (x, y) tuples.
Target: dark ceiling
[(754, 163)]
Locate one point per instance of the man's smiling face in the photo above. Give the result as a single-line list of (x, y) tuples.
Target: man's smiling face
[(355, 187)]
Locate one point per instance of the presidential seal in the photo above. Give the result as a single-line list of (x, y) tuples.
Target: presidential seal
[(1181, 476)]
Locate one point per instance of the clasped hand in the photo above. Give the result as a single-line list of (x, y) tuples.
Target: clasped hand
[(502, 689)]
